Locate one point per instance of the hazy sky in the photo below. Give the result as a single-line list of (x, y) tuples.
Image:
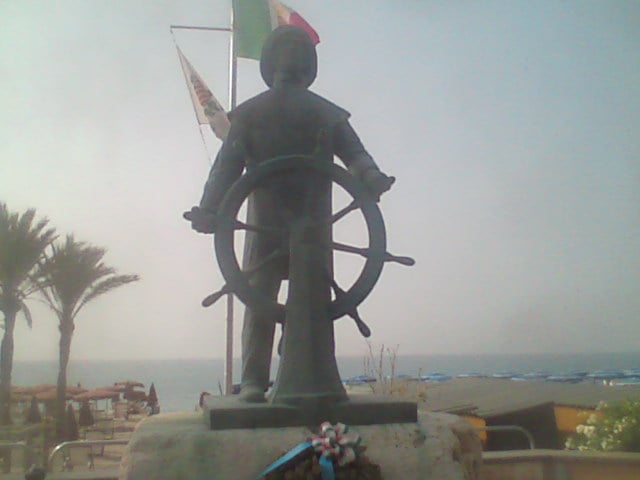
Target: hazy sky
[(513, 128)]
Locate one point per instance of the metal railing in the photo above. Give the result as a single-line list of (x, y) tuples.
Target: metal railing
[(510, 428), (66, 463)]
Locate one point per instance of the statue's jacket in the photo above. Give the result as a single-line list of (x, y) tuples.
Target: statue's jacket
[(283, 121)]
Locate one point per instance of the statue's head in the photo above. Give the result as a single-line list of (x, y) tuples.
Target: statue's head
[(288, 57)]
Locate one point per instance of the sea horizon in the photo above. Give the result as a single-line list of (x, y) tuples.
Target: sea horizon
[(179, 382)]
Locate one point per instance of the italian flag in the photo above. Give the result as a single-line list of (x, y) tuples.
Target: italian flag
[(255, 19)]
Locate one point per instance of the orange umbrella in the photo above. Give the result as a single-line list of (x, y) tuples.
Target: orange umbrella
[(76, 389), (19, 394), (130, 383), (114, 388), (96, 394), (135, 396), (48, 395), (41, 388), (15, 390)]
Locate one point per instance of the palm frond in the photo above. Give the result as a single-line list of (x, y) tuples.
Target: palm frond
[(22, 245), (105, 286), (73, 274), (27, 313)]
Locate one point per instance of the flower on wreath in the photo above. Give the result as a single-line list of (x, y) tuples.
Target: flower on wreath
[(334, 443)]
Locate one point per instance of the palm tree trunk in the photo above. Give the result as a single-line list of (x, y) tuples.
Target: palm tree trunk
[(6, 366), (66, 333)]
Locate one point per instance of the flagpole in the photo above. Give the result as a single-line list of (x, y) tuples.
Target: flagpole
[(233, 73), (228, 370)]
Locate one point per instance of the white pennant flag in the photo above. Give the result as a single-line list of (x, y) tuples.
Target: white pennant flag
[(208, 109)]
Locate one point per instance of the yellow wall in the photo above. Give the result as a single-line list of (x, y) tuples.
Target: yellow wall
[(568, 418)]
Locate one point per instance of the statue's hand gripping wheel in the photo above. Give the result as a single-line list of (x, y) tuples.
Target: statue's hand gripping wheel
[(238, 281)]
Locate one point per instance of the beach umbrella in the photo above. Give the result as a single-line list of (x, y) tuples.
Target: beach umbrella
[(50, 395), (135, 396), (115, 388), (19, 390), (130, 383), (85, 416), (96, 394), (20, 394), (33, 415), (42, 387), (71, 425), (76, 390)]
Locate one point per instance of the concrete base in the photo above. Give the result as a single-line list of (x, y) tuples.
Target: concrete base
[(181, 446), (223, 413)]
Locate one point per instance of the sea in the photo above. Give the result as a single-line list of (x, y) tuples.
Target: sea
[(179, 382)]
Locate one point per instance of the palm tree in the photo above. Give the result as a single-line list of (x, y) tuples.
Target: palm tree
[(72, 275), (22, 243)]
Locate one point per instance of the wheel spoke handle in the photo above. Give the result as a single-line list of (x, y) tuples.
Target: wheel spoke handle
[(362, 327), (214, 297), (365, 252)]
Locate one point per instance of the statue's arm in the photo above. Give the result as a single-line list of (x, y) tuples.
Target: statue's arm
[(348, 147), (226, 169)]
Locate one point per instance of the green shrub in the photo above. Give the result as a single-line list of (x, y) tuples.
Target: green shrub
[(613, 428)]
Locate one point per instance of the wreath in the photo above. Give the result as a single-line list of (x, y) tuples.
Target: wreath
[(332, 454)]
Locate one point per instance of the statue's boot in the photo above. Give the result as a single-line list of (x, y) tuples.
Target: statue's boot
[(251, 393)]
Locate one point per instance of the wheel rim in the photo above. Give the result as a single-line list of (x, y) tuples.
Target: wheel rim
[(225, 243)]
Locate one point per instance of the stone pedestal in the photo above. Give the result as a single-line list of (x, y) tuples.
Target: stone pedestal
[(181, 446), (224, 413)]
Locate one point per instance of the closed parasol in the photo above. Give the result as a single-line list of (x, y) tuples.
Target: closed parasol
[(85, 416), (152, 397), (71, 425), (33, 415), (152, 400)]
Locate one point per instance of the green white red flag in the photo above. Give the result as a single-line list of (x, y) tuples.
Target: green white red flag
[(207, 108), (255, 19)]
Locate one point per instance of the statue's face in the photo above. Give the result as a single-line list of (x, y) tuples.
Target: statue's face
[(292, 59), (289, 54)]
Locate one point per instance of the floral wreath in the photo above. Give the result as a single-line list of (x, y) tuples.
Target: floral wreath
[(332, 449)]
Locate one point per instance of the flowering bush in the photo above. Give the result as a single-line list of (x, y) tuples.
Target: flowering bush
[(614, 427)]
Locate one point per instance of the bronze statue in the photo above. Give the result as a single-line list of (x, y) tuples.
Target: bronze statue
[(284, 120)]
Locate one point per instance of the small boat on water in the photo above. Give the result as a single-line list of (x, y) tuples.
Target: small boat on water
[(471, 375), (537, 375), (565, 378), (359, 380), (505, 375), (435, 377)]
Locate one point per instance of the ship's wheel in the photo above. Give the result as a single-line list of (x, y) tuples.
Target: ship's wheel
[(344, 302)]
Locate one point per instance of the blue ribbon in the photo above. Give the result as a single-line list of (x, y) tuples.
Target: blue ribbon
[(326, 465), (295, 451), (326, 468)]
